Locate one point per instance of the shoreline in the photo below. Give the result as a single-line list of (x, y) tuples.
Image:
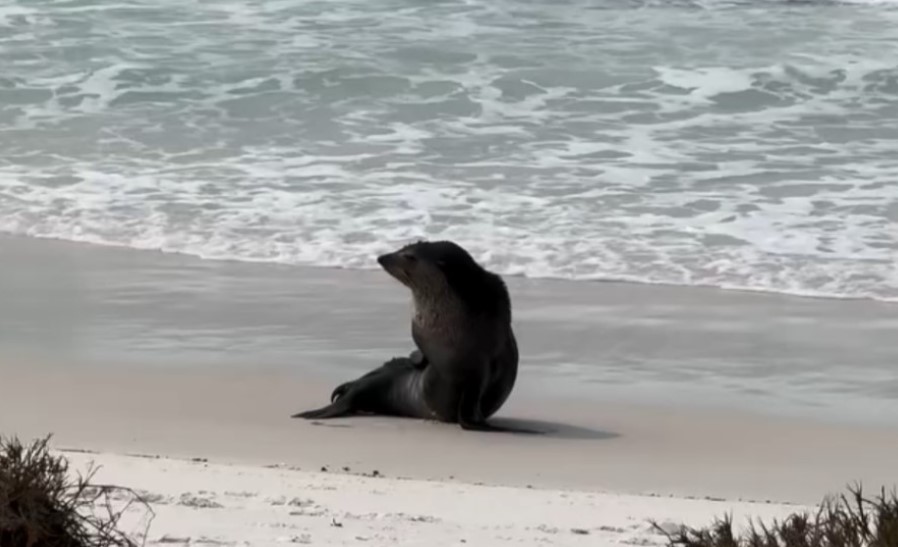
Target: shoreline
[(514, 276)]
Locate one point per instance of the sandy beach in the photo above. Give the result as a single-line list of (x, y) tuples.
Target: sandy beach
[(178, 376), (693, 204), (222, 464), (200, 503)]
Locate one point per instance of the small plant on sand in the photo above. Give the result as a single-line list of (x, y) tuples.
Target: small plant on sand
[(844, 521), (41, 505)]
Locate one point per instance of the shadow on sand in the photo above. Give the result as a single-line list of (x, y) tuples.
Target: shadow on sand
[(553, 430), (527, 427)]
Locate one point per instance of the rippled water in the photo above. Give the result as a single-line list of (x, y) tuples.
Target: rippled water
[(732, 144)]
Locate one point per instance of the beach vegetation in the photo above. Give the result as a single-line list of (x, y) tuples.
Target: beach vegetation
[(42, 504), (846, 520)]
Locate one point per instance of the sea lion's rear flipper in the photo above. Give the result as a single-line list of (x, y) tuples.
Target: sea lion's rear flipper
[(395, 365), (340, 407), (389, 389), (341, 390)]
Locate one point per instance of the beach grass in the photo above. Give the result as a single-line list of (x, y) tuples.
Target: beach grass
[(43, 505), (846, 520)]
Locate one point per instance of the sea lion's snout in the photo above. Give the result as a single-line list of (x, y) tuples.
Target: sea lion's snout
[(401, 258), (385, 260), (398, 264)]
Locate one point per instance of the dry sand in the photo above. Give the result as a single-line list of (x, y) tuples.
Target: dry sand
[(200, 503)]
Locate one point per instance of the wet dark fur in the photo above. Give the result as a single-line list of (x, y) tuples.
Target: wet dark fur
[(466, 361)]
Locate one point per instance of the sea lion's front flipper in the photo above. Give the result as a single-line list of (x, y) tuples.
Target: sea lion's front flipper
[(470, 417), (417, 359)]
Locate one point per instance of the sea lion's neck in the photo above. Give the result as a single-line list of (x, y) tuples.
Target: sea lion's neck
[(439, 314)]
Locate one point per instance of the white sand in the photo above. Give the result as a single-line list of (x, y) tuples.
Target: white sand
[(197, 503)]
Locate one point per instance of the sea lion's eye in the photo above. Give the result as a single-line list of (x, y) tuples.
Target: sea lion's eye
[(409, 256)]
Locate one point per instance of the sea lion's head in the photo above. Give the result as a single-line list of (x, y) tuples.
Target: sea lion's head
[(430, 265), (443, 276)]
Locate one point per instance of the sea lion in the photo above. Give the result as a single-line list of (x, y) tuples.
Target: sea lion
[(466, 361)]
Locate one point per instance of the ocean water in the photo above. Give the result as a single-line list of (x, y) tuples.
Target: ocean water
[(735, 144)]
